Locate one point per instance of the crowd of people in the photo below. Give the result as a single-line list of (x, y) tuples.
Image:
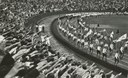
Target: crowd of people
[(30, 55), (76, 5), (98, 41)]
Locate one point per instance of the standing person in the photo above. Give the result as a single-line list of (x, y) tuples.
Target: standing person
[(48, 40), (59, 21), (98, 25), (125, 47), (121, 52), (91, 48), (78, 42), (118, 31), (104, 53), (111, 48), (43, 28), (40, 28), (36, 27), (82, 43), (111, 36), (98, 50), (97, 41), (116, 58), (43, 38)]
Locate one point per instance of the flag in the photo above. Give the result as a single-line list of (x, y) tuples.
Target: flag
[(111, 34), (126, 42), (104, 30), (123, 37), (89, 33)]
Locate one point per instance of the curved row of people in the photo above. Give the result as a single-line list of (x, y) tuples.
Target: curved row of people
[(99, 41), (27, 55)]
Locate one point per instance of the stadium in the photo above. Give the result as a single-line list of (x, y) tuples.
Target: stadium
[(63, 39)]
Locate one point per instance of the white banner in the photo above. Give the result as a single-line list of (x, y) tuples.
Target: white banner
[(123, 37)]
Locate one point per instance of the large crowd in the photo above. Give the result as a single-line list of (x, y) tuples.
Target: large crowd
[(76, 5), (100, 42), (26, 55)]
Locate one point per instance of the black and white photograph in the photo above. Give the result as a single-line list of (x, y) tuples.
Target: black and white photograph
[(63, 38)]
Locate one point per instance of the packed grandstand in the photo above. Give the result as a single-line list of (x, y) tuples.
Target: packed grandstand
[(26, 50)]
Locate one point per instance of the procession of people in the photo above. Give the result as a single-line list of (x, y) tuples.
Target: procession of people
[(24, 54), (98, 41)]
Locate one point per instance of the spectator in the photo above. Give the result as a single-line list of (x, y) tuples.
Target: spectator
[(104, 53)]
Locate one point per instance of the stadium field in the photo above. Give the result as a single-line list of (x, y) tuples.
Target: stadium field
[(111, 22)]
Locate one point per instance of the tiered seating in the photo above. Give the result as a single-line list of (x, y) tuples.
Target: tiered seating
[(29, 55)]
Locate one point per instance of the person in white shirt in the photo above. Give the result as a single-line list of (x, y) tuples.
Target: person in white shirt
[(111, 48), (43, 38), (48, 41), (91, 48), (64, 30), (82, 42), (60, 27), (98, 50), (78, 42), (97, 41), (121, 52), (104, 53), (41, 28), (36, 28), (116, 58), (69, 35)]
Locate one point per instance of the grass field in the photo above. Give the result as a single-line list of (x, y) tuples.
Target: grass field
[(112, 22)]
